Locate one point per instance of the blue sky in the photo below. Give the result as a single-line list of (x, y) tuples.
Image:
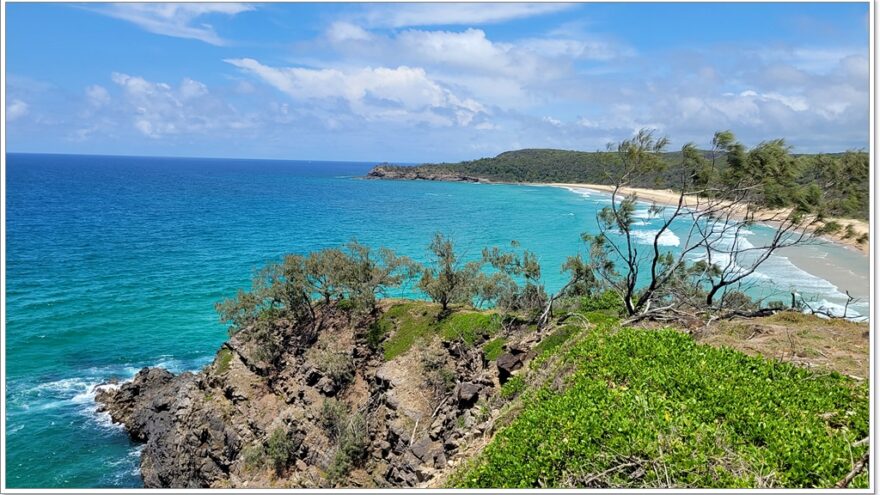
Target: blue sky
[(429, 82)]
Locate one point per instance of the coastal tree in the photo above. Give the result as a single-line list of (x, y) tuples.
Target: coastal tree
[(518, 277), (325, 273), (713, 259), (372, 273), (447, 279)]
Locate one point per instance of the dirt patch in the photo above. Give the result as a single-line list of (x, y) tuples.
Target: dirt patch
[(806, 340)]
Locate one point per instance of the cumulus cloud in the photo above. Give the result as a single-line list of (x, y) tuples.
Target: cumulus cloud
[(382, 93), (15, 109), (157, 109), (507, 74), (180, 20)]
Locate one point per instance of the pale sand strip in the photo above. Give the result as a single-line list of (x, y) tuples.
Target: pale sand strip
[(670, 197)]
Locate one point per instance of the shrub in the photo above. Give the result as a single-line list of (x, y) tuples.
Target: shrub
[(254, 456), (338, 366), (334, 415), (608, 301), (351, 448), (830, 227), (710, 417), (280, 448)]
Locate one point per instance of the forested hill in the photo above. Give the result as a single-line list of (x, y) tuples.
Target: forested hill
[(840, 181)]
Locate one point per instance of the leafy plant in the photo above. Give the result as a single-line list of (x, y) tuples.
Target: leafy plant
[(653, 408)]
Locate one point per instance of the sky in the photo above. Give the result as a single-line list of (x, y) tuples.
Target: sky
[(429, 82)]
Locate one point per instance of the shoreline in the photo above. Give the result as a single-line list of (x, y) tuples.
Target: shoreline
[(670, 197)]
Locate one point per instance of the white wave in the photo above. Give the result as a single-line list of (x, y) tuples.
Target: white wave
[(581, 191), (667, 238)]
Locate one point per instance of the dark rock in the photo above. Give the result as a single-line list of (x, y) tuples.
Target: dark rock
[(312, 377), (467, 394), (327, 386), (508, 363)]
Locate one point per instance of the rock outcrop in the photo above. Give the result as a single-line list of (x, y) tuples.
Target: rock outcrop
[(326, 410), (419, 173)]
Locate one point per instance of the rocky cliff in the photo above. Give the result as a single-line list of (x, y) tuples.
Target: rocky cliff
[(326, 410)]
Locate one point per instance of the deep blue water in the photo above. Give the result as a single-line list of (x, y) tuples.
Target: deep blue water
[(115, 263)]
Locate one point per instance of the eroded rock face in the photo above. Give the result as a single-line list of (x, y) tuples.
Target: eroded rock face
[(211, 429)]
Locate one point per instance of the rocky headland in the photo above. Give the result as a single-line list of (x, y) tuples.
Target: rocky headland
[(330, 410)]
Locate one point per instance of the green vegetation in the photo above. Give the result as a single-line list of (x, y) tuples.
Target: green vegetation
[(351, 447), (280, 448), (494, 348), (836, 183), (470, 327), (653, 408), (334, 364), (599, 405), (334, 414), (513, 387), (446, 280), (224, 359), (552, 342), (407, 322)]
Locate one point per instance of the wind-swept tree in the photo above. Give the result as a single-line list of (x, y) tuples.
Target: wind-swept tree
[(326, 273), (652, 281), (518, 274), (371, 274), (447, 279)]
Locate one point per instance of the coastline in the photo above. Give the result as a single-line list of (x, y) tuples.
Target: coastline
[(670, 197)]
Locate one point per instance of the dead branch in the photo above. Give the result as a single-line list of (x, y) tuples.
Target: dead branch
[(857, 468)]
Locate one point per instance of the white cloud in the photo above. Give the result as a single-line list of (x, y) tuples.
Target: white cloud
[(552, 121), (382, 93), (97, 95), (343, 31), (515, 74), (180, 20), (796, 103), (157, 109), (451, 14), (15, 109)]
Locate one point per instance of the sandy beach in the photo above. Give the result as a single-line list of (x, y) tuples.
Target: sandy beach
[(670, 197)]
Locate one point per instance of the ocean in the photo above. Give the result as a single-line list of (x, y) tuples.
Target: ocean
[(115, 263)]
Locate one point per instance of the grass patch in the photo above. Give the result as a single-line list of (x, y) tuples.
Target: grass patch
[(470, 327), (513, 387), (654, 408), (224, 358), (552, 342), (405, 323), (493, 348)]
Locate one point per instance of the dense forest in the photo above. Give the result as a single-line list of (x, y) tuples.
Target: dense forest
[(834, 184)]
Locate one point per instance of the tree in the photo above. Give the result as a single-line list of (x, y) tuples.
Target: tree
[(368, 275), (518, 275), (447, 280), (716, 220), (326, 271)]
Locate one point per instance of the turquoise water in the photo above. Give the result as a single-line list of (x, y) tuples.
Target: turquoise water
[(115, 263)]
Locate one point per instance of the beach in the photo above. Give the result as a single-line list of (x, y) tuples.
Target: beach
[(670, 197)]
